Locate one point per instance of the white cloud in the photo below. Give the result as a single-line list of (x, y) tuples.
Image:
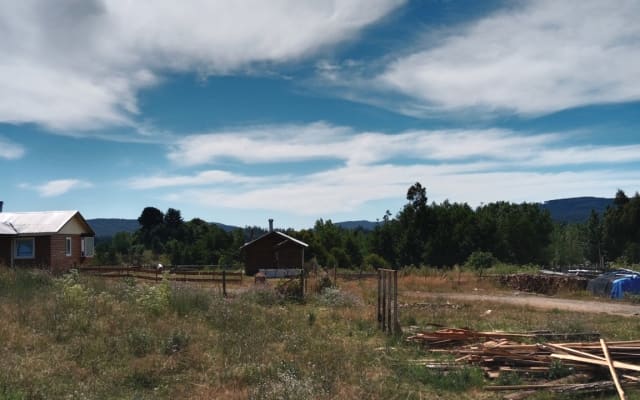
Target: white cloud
[(346, 189), (57, 187), (10, 150), (202, 178), (543, 57), (472, 166), (282, 143), (78, 64), (316, 141)]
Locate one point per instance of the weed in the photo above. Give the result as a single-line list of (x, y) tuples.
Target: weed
[(140, 341), (334, 297), (508, 379), (558, 370), (177, 341), (185, 300), (457, 379)]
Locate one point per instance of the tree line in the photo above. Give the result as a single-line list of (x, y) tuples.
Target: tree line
[(420, 234)]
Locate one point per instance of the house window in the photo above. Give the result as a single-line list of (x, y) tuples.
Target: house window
[(87, 246), (67, 246), (25, 248)]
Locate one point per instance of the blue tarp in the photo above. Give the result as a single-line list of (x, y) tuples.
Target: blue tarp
[(628, 284)]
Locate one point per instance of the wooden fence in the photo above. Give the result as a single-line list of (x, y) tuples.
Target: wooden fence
[(388, 319), (156, 275)]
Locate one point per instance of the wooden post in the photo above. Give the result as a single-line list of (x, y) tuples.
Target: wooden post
[(396, 323), (388, 301), (224, 283), (335, 276), (379, 297)]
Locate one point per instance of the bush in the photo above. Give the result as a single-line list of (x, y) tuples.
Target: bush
[(373, 260), (480, 260), (290, 289), (334, 297), (154, 298), (140, 342)]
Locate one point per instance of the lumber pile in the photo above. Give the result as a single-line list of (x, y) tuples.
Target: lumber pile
[(594, 366), (543, 283)]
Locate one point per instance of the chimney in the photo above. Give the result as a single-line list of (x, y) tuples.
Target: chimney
[(270, 224), (1, 204)]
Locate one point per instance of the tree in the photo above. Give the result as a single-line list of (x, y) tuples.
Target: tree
[(593, 248), (150, 218)]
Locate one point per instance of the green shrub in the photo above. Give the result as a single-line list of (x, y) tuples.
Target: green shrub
[(334, 297), (290, 289), (373, 260), (261, 295), (480, 260), (140, 342), (154, 299), (177, 341)]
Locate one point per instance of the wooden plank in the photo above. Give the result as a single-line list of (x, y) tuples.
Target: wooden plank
[(612, 370), (586, 360)]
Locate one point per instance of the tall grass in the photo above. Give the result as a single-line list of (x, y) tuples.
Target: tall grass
[(81, 337)]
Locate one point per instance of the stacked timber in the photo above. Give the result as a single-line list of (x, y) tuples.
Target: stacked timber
[(593, 365), (543, 283)]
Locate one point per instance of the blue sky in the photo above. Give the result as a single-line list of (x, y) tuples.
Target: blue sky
[(237, 111)]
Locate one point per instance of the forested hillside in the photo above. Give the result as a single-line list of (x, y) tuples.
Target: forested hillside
[(421, 233)]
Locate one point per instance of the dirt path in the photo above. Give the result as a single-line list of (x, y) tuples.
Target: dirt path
[(537, 301)]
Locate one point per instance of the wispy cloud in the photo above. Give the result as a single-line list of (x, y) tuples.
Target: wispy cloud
[(79, 65), (474, 166), (57, 187), (282, 143), (202, 178), (536, 57), (316, 141), (346, 189), (10, 150)]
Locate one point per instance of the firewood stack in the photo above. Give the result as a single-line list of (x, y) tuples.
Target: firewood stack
[(543, 284)]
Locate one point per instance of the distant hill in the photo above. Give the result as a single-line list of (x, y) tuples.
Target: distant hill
[(107, 227), (576, 209), (364, 224)]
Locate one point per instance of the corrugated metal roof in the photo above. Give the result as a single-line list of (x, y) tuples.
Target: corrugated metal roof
[(6, 229), (301, 243), (34, 223)]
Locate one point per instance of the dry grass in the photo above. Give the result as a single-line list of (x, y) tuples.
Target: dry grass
[(85, 338)]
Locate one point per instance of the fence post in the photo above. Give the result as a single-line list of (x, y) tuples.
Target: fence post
[(388, 301), (224, 283), (302, 282), (379, 297), (396, 323)]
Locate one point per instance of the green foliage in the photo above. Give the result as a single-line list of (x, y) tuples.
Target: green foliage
[(189, 300), (290, 289), (154, 299), (373, 260), (457, 379), (480, 260), (334, 297), (558, 370), (140, 341), (22, 283), (176, 342)]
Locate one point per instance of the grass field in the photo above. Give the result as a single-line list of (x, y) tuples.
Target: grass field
[(81, 337)]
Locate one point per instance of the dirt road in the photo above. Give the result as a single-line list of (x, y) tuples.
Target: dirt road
[(537, 301)]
